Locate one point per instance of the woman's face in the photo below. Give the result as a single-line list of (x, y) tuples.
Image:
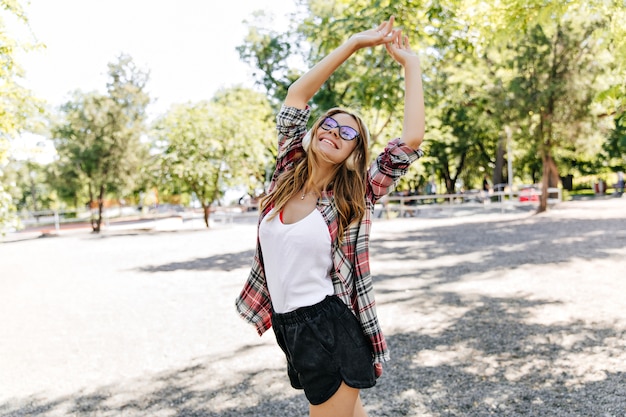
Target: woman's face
[(329, 139)]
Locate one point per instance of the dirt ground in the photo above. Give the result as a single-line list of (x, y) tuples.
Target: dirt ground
[(490, 313)]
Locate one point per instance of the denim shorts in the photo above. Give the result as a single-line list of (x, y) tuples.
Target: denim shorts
[(324, 345)]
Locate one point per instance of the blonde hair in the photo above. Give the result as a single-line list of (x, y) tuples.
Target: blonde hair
[(348, 179)]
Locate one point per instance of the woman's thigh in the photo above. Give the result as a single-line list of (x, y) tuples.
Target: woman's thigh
[(344, 403)]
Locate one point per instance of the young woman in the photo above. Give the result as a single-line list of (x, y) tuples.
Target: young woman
[(310, 276)]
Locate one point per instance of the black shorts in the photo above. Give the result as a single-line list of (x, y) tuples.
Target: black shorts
[(324, 345)]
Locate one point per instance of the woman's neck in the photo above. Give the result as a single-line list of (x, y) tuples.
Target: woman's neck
[(320, 179)]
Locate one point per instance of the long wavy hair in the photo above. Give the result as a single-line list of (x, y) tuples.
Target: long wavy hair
[(348, 181)]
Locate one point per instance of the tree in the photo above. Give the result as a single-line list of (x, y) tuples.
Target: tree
[(207, 147), (461, 97), (17, 105), (557, 73), (369, 82), (100, 139), (615, 147), (562, 60), (372, 83), (30, 190), (269, 51), (536, 74)]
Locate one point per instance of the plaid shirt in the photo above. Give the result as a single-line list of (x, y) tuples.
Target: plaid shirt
[(350, 274)]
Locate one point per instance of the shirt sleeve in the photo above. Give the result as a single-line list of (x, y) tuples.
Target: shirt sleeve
[(253, 302), (390, 165), (291, 127)]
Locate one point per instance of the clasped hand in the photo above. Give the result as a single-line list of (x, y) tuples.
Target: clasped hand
[(397, 45)]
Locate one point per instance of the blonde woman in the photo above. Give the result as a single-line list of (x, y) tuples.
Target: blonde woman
[(310, 278)]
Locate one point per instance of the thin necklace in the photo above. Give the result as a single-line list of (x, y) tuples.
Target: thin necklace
[(305, 194)]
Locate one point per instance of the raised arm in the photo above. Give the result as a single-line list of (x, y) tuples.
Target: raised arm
[(414, 117), (305, 87)]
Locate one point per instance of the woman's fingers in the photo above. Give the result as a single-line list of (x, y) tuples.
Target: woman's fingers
[(397, 36), (399, 47), (396, 39), (401, 41), (378, 369), (386, 27), (406, 44), (389, 26)]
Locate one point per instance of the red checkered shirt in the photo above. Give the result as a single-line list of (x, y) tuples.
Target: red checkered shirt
[(350, 274)]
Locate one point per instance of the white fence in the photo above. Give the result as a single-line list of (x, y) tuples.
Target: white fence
[(401, 205), (55, 219), (390, 206)]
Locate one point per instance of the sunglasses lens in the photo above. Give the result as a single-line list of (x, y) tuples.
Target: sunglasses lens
[(348, 133), (329, 123)]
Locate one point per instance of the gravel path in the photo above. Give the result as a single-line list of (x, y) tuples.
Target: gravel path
[(505, 314)]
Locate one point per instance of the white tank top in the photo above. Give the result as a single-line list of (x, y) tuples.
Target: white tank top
[(297, 261)]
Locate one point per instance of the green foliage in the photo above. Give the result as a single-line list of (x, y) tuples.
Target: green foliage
[(27, 184), (370, 82), (552, 73), (207, 147), (268, 51), (7, 217), (17, 106), (561, 64), (614, 148), (99, 140)]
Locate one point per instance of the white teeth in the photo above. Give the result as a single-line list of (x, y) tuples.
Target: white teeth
[(329, 142)]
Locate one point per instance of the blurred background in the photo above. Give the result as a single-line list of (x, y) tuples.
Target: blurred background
[(118, 111)]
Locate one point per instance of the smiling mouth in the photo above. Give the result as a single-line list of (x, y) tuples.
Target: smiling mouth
[(331, 143)]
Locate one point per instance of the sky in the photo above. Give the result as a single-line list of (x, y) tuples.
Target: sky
[(187, 45)]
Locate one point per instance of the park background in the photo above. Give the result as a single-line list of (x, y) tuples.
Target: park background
[(491, 305), (173, 106)]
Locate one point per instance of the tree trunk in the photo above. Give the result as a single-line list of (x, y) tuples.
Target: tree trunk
[(550, 178), (543, 198), (450, 185), (449, 180), (498, 178), (92, 220), (553, 175), (33, 193), (207, 212), (97, 223), (550, 171)]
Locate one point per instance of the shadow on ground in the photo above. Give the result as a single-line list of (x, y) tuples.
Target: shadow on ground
[(507, 244), (221, 262), (490, 360)]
